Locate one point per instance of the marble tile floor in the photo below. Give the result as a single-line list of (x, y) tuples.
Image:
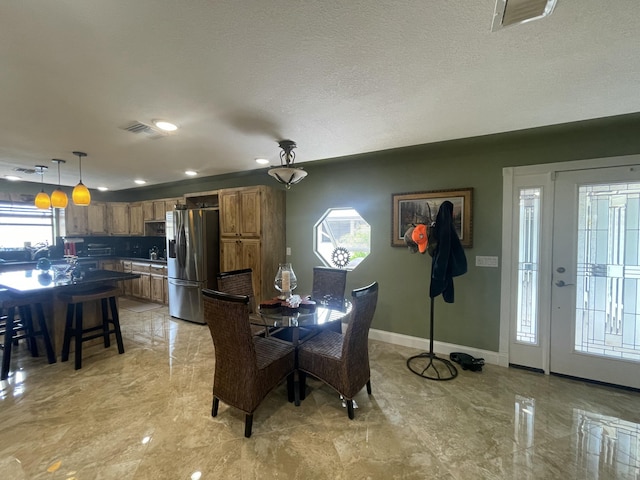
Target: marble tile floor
[(147, 415)]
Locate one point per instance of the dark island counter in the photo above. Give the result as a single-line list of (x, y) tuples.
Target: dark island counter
[(24, 282)]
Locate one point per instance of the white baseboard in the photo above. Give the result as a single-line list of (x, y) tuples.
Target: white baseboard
[(441, 348)]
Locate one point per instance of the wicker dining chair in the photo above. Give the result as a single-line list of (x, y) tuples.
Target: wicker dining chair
[(247, 367), (329, 285), (240, 282), (342, 361)]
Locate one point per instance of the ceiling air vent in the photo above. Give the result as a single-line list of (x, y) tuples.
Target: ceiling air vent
[(140, 128), (515, 12), (26, 171)]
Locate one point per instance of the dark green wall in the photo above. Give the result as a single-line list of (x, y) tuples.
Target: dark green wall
[(366, 182)]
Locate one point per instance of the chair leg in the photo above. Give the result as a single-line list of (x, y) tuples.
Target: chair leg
[(8, 342), (78, 334), (44, 331), (214, 409), (116, 323), (369, 386), (350, 409), (27, 324), (248, 423), (302, 378), (105, 322), (68, 333), (290, 388)]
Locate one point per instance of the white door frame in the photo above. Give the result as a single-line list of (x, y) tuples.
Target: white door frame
[(514, 177)]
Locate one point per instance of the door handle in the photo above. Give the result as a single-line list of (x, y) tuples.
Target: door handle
[(560, 283)]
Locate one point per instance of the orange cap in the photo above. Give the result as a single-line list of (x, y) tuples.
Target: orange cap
[(419, 236)]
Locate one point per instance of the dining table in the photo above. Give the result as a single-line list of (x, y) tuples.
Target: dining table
[(296, 324), (31, 281)]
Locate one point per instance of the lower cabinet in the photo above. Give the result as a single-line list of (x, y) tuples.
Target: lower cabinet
[(152, 284)]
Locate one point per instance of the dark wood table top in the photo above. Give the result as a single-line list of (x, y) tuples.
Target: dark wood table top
[(22, 281)]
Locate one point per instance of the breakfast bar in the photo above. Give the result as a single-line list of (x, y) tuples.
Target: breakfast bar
[(53, 287)]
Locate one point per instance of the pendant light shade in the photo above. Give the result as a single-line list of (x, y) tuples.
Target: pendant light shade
[(80, 194), (58, 197), (42, 199), (287, 173)]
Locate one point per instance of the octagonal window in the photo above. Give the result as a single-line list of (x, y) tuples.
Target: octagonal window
[(342, 238)]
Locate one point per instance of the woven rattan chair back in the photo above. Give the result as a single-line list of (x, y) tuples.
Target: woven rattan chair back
[(238, 282), (342, 361), (329, 284), (246, 367), (355, 346)]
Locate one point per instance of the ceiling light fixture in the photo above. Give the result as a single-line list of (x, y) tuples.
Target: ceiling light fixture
[(81, 195), (262, 161), (103, 189), (59, 199), (42, 200), (140, 181), (12, 178), (191, 173), (287, 173), (166, 126)]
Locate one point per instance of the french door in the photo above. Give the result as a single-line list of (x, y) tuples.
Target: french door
[(595, 288), (571, 269)]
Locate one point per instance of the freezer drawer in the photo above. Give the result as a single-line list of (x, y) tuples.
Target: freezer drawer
[(185, 300)]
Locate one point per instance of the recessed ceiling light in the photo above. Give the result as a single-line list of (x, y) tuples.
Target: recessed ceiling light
[(262, 161), (166, 126), (13, 178), (103, 189), (140, 182), (191, 173)]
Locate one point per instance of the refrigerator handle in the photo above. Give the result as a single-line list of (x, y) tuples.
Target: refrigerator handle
[(181, 243)]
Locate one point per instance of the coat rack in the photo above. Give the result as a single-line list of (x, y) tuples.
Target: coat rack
[(448, 260)]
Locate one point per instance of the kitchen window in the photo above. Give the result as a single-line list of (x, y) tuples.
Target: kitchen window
[(22, 224)]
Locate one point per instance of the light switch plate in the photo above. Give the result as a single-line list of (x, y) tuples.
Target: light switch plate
[(486, 261), (288, 250)]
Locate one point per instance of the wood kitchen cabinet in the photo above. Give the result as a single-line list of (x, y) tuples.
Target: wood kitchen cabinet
[(136, 219), (118, 215), (252, 234), (97, 218), (127, 285), (141, 287), (76, 220), (158, 281)]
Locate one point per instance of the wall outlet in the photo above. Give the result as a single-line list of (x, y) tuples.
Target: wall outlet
[(486, 261), (288, 250)]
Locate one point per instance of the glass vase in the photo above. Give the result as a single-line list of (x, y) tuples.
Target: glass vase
[(285, 281)]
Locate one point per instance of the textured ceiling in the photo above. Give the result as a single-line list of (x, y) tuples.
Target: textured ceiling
[(338, 77)]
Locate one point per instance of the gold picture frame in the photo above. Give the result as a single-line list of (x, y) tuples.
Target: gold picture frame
[(422, 207)]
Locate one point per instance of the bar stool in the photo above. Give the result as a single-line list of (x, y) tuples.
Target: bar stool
[(15, 329), (75, 301)]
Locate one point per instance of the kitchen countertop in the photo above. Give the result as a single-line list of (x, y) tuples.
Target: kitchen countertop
[(26, 264), (21, 281)]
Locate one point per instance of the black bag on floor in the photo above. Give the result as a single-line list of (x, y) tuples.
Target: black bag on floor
[(467, 362)]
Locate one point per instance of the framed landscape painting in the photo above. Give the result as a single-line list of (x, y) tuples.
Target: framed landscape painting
[(422, 207)]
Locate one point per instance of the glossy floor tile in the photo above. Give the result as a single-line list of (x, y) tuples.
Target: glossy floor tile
[(146, 414)]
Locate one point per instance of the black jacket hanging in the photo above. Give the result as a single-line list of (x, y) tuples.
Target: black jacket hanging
[(449, 259)]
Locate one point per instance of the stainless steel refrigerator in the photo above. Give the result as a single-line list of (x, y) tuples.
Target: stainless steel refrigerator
[(193, 260)]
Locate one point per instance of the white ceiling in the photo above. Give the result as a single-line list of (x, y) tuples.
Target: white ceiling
[(339, 77)]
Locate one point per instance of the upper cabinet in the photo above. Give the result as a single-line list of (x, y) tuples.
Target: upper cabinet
[(97, 218), (118, 215), (240, 212), (136, 219), (252, 233), (76, 220)]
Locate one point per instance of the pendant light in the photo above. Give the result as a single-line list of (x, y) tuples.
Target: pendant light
[(42, 199), (58, 197), (80, 194), (287, 173)]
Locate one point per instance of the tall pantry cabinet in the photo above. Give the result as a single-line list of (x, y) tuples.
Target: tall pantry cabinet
[(252, 234)]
